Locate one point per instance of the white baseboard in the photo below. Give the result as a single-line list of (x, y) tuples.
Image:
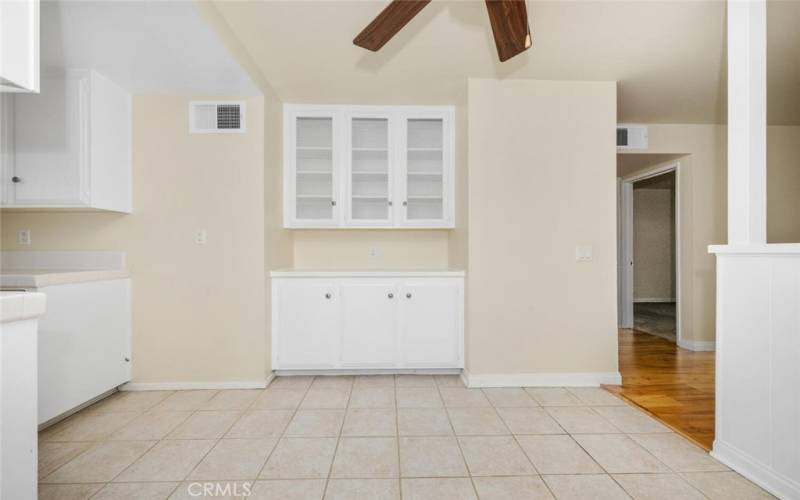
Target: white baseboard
[(189, 386), (654, 299), (775, 483), (573, 379), (698, 345)]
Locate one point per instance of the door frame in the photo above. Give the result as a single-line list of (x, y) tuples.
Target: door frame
[(625, 244)]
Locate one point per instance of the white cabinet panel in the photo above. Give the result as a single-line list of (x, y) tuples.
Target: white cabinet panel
[(371, 321), (19, 45), (369, 187), (430, 323), (70, 146), (306, 313), (368, 323), (384, 166), (312, 180), (50, 143)]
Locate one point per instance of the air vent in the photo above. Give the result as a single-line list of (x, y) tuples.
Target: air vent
[(210, 117), (631, 136)]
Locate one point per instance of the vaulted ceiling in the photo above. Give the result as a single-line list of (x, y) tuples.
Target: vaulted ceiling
[(668, 56)]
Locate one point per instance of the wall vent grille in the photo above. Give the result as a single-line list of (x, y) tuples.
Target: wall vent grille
[(210, 117)]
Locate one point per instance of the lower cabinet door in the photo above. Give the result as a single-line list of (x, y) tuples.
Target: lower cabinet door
[(369, 324), (430, 324), (308, 324)]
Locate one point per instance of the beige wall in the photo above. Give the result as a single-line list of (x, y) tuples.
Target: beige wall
[(783, 184), (353, 249), (198, 310), (703, 207), (541, 181), (653, 244)]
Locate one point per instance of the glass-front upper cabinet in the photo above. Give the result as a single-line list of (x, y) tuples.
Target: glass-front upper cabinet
[(368, 166), (369, 186), (312, 179)]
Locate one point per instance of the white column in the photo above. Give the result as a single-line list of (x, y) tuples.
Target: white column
[(747, 121)]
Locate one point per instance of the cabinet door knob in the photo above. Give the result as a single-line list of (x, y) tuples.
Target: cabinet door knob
[(391, 295), (327, 295), (127, 360), (408, 295), (390, 203), (405, 203), (16, 179), (333, 203)]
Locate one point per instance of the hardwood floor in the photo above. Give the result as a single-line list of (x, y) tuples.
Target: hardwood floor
[(674, 385)]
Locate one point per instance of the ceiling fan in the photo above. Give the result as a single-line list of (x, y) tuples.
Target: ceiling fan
[(509, 20)]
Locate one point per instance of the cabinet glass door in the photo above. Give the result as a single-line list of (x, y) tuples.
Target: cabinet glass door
[(315, 185), (424, 170), (370, 172)]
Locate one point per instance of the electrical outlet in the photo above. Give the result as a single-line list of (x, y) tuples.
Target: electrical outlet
[(24, 237), (374, 251), (201, 237), (583, 253)]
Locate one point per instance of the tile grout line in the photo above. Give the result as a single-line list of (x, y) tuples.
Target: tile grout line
[(285, 428), (458, 442), (338, 439)]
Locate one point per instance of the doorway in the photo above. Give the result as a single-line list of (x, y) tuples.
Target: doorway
[(650, 252)]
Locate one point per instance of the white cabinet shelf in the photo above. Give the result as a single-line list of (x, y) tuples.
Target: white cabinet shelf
[(367, 320), (68, 146), (379, 166)]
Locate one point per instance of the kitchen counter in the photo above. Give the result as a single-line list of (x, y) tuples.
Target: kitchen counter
[(16, 306), (365, 273), (39, 278)]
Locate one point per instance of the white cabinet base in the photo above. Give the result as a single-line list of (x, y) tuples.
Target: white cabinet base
[(367, 322)]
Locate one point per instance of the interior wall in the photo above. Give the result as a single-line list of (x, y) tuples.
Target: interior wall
[(370, 249), (534, 196), (653, 244), (198, 310), (703, 207), (783, 184)]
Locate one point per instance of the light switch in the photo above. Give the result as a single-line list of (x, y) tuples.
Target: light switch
[(201, 237), (374, 251), (583, 253), (24, 237)]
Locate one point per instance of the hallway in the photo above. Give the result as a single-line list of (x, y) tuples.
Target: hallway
[(674, 385)]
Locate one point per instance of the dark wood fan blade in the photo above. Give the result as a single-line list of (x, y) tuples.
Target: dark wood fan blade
[(386, 25), (509, 19)]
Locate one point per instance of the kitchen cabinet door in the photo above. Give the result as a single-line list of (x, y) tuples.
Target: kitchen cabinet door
[(430, 323), (312, 155), (306, 325), (369, 312)]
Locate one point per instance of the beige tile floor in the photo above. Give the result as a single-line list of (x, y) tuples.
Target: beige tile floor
[(373, 438)]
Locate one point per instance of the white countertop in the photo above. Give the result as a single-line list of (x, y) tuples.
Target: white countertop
[(365, 273), (39, 278), (16, 306)]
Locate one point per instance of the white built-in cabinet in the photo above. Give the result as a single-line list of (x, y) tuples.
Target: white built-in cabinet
[(368, 166), (68, 146), (19, 46), (367, 320)]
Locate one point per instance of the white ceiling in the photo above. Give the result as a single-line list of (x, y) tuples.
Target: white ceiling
[(668, 56), (148, 47)]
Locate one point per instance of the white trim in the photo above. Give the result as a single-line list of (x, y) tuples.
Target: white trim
[(300, 273), (625, 277), (698, 345), (191, 386), (654, 299), (756, 249), (762, 475), (571, 379), (370, 371)]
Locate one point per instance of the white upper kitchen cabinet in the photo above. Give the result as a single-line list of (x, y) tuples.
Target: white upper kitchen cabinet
[(69, 146), (368, 166), (19, 46)]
